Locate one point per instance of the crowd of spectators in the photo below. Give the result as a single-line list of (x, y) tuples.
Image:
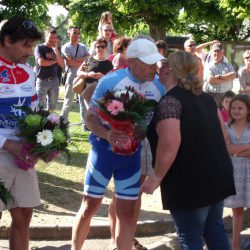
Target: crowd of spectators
[(200, 156)]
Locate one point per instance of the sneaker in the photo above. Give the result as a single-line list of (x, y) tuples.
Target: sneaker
[(137, 246)]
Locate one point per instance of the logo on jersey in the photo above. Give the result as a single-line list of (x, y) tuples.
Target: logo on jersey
[(148, 93), (7, 90), (26, 88), (4, 76)]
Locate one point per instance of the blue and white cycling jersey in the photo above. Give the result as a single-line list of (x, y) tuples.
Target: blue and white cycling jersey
[(119, 80), (17, 89)]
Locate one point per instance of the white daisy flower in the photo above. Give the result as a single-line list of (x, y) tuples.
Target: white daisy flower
[(45, 137)]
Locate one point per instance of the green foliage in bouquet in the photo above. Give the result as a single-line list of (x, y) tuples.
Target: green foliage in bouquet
[(46, 131)]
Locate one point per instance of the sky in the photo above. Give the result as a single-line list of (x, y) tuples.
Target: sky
[(55, 10)]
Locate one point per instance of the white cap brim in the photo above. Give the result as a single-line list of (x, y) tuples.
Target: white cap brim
[(152, 59)]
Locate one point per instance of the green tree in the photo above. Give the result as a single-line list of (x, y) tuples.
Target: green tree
[(205, 19), (215, 19), (156, 15), (36, 10)]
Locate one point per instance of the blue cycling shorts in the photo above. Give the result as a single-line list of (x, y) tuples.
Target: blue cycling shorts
[(102, 164)]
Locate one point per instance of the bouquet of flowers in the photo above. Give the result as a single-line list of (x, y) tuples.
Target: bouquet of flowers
[(123, 110), (45, 135)]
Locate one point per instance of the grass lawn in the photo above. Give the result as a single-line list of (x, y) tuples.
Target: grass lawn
[(58, 181)]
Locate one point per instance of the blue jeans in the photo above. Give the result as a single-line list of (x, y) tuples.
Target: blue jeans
[(68, 100), (48, 88), (196, 225)]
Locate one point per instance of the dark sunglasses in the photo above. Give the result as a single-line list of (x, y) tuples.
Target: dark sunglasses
[(106, 30), (247, 57), (29, 25), (100, 46), (76, 33), (192, 45)]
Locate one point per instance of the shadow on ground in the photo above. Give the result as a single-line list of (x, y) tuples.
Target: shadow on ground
[(65, 247), (67, 195)]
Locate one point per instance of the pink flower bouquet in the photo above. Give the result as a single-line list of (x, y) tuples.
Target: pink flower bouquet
[(123, 110)]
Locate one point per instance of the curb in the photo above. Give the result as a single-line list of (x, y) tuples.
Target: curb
[(146, 228)]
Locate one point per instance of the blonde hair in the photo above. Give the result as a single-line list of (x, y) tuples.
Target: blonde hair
[(104, 17), (104, 20), (246, 53), (185, 69)]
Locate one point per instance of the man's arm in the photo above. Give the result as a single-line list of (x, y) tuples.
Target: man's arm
[(167, 148), (59, 58), (218, 79), (45, 62), (39, 57), (72, 62), (204, 45), (114, 137), (229, 76)]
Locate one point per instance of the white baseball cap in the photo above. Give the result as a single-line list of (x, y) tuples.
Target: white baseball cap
[(144, 50)]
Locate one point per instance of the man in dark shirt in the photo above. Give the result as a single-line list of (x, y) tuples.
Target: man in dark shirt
[(48, 59)]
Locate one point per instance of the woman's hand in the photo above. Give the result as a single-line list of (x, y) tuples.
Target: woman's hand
[(139, 133), (151, 184)]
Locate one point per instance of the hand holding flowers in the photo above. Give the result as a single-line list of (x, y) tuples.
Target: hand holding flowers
[(129, 112)]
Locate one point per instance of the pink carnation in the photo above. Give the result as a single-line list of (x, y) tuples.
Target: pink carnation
[(54, 118), (115, 107)]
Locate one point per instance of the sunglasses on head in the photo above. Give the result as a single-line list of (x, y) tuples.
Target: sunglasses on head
[(29, 25), (100, 46), (247, 57), (192, 45)]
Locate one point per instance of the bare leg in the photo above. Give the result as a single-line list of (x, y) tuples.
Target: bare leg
[(112, 214), (238, 214), (112, 220), (19, 231), (83, 218), (125, 223)]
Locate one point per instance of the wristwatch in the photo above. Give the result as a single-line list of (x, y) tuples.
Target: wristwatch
[(220, 77)]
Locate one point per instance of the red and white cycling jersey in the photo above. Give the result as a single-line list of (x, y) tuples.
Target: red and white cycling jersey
[(17, 89)]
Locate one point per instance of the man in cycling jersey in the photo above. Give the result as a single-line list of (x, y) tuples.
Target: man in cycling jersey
[(18, 36), (102, 163)]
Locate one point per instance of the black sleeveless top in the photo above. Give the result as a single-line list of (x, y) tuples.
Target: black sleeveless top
[(202, 173)]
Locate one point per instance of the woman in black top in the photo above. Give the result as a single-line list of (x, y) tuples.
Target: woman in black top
[(97, 67), (192, 163)]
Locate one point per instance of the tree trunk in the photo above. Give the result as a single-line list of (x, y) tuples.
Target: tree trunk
[(157, 32)]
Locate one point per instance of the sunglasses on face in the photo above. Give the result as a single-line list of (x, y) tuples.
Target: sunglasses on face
[(76, 33), (247, 57), (100, 46), (191, 45)]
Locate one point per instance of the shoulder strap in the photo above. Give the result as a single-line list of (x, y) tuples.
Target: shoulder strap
[(76, 50)]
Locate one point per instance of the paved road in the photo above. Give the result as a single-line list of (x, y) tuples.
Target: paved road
[(163, 242), (153, 243)]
